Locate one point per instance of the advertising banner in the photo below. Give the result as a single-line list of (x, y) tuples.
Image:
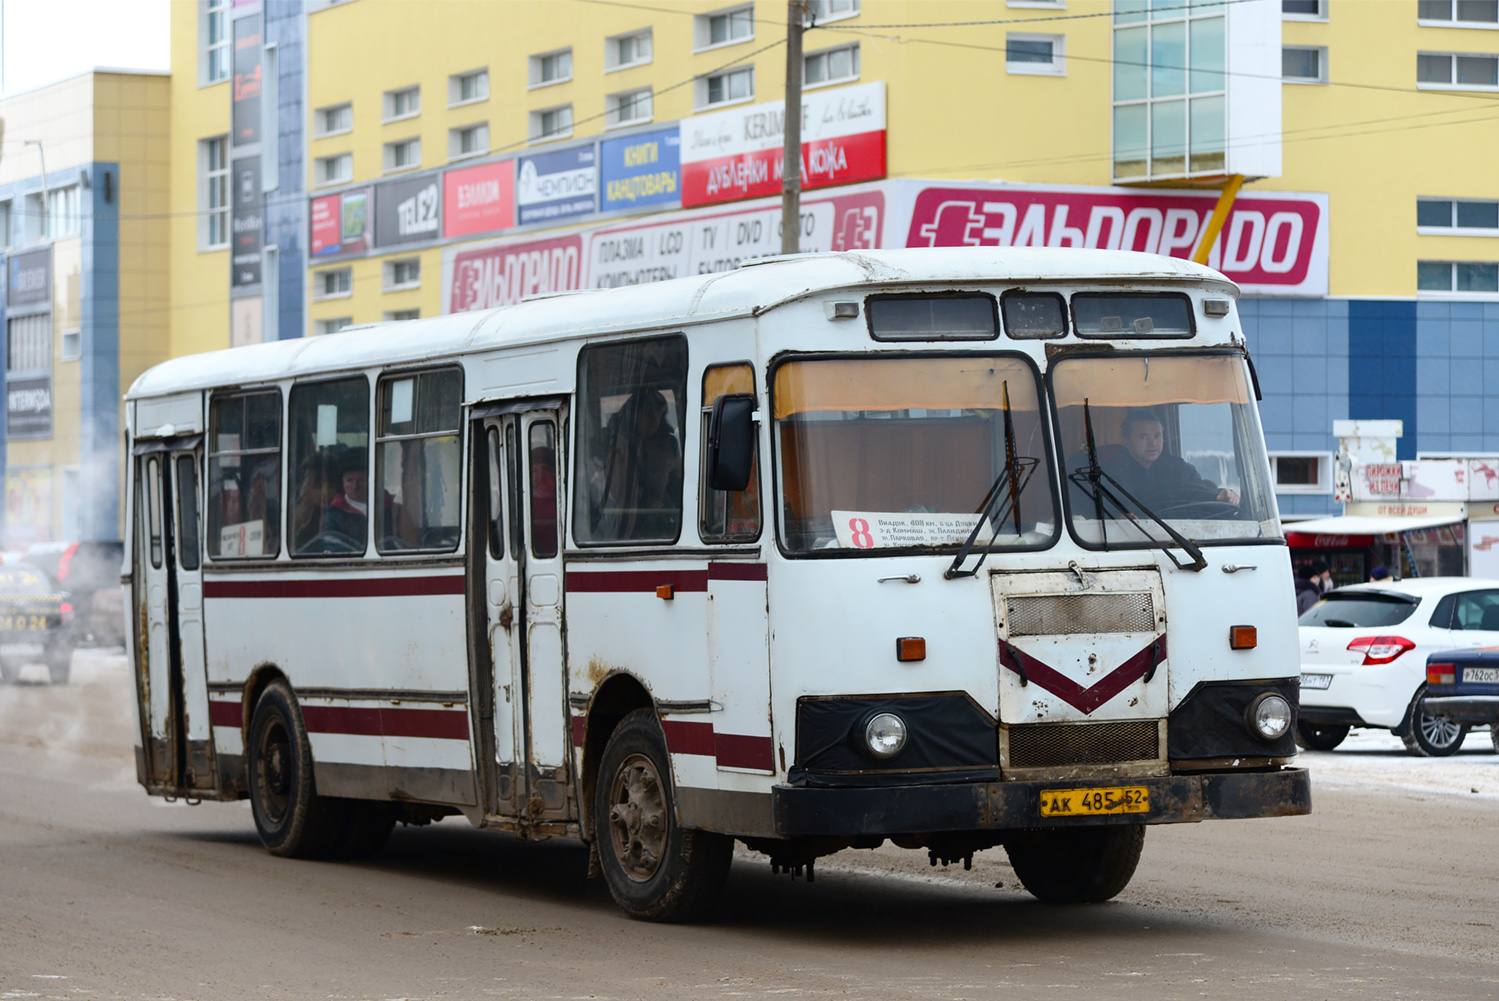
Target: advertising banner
[(340, 223), (28, 507), (1272, 242), (555, 187), (245, 112), (407, 211), (738, 153), (478, 199), (247, 223), (641, 170), (31, 277), (28, 407), (502, 275)]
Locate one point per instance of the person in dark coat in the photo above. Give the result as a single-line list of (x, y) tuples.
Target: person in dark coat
[(348, 512), (1307, 591), (1152, 476)]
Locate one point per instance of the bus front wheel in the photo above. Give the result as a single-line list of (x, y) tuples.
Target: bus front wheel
[(655, 869), (1080, 865), (292, 820)]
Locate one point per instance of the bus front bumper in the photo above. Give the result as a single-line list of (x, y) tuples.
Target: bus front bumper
[(996, 806)]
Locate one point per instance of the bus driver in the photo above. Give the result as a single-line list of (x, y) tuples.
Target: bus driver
[(1155, 478)]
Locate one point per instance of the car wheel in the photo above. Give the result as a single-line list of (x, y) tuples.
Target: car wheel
[(291, 818), (1320, 737), (655, 869), (1080, 865), (1428, 736)]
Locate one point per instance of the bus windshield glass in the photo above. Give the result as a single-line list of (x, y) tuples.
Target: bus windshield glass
[(1158, 438), (912, 453)]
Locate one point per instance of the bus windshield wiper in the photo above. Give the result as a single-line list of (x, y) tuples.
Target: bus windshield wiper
[(1102, 487), (999, 503)]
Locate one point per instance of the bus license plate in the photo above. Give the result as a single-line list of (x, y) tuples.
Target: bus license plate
[(1481, 675), (1092, 802)]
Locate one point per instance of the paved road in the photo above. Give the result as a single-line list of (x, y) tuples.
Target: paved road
[(104, 893)]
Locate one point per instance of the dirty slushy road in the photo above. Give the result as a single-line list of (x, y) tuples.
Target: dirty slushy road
[(1386, 891)]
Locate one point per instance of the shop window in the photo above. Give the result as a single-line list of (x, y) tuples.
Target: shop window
[(417, 460), (728, 516), (329, 434), (244, 476)]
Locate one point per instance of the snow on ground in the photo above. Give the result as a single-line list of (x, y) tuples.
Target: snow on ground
[(1377, 760)]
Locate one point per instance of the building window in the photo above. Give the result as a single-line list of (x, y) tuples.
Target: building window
[(822, 11), (552, 123), (1480, 12), (831, 66), (629, 108), (402, 274), (403, 154), (1457, 71), (551, 67), (724, 28), (32, 211), (5, 230), (1302, 472), (334, 283), (726, 88), (336, 169), (1303, 63), (1477, 218), (214, 61), (623, 51), (333, 325), (1170, 96), (1039, 54), (470, 140), (333, 121), (72, 345), (1303, 10), (213, 193), (1457, 276), (28, 344), (63, 212), (402, 103), (403, 314), (467, 88)]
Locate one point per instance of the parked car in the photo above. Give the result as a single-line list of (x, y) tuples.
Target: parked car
[(1462, 686), (36, 624), (90, 573), (1363, 658)]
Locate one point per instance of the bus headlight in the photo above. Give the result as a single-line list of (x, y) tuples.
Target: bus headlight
[(884, 736), (1268, 717)]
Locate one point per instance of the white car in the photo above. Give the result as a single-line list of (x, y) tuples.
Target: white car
[(1363, 657)]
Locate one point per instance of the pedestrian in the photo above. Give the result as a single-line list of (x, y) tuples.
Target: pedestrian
[(1307, 591), (1322, 576), (1379, 573)]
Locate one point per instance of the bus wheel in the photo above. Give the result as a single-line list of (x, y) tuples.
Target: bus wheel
[(291, 818), (655, 869), (1080, 865)]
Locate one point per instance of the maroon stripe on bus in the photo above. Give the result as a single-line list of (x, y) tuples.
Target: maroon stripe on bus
[(737, 750), (595, 581), (225, 713), (367, 587), (342, 719), (449, 724), (736, 571), (580, 730), (688, 738)]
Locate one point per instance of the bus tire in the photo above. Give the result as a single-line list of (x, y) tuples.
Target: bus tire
[(655, 869), (292, 819), (1428, 736), (1079, 865), (1320, 736)]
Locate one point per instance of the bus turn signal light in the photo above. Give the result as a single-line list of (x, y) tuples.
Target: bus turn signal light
[(909, 648), (666, 592), (1440, 674), (1380, 649), (1243, 637)]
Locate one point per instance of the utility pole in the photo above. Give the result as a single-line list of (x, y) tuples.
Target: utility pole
[(791, 173)]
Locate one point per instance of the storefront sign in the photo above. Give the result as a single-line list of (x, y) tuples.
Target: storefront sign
[(28, 407), (340, 223), (247, 220), (31, 277), (554, 187), (245, 112), (478, 199), (407, 211), (1457, 512), (641, 170), (1271, 242), (499, 276), (28, 507), (738, 153)]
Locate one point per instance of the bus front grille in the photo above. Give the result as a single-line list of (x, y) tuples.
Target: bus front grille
[(1065, 614), (1047, 745)]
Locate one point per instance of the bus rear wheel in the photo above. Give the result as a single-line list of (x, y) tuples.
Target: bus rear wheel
[(292, 820), (656, 870), (1080, 865)]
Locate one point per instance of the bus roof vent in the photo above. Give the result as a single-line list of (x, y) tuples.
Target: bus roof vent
[(534, 296), (781, 258)]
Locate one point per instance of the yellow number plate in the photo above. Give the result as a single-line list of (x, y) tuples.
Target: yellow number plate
[(1091, 802)]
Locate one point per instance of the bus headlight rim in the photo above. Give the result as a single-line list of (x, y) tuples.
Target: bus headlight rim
[(885, 735), (1268, 717)]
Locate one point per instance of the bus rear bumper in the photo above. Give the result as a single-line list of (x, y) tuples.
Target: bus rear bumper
[(997, 806)]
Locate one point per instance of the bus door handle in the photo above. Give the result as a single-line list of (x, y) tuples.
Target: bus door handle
[(909, 578), (1155, 660)]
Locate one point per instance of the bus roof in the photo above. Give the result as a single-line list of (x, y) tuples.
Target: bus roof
[(756, 286)]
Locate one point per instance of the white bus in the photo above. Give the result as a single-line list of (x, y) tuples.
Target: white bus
[(956, 548)]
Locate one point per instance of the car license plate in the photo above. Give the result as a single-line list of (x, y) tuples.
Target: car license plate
[(1481, 675), (22, 623), (1092, 802), (1316, 681)]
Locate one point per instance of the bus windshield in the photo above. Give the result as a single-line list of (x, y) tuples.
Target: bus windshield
[(912, 453), (1168, 437)]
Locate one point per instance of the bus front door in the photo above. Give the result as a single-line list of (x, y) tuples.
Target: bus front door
[(523, 605), (179, 737)]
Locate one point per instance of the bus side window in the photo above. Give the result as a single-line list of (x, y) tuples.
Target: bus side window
[(725, 516), (543, 451), (512, 478), (187, 512), (496, 498), (329, 438), (244, 475), (153, 508), (417, 462)]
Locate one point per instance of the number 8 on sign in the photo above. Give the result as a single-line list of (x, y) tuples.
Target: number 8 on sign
[(860, 529)]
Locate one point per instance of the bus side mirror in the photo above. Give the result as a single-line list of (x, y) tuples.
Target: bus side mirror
[(731, 442)]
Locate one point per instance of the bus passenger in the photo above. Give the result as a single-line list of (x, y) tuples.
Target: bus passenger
[(639, 487), (348, 512), (1155, 478)]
